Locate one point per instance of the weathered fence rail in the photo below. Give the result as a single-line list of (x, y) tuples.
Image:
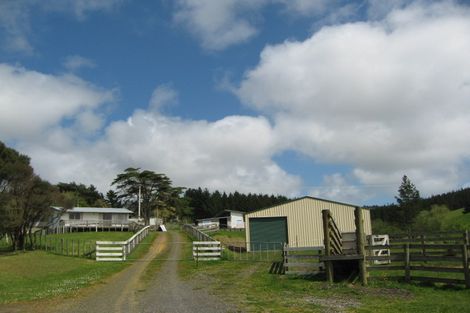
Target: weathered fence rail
[(119, 250), (302, 260), (438, 258), (63, 246), (196, 233)]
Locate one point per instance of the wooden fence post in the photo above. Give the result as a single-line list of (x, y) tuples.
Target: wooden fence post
[(326, 241), (407, 263), (423, 244), (465, 265), (360, 242)]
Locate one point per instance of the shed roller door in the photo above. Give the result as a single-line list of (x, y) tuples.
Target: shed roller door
[(268, 233)]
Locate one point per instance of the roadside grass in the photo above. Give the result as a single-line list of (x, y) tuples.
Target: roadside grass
[(37, 274), (248, 285)]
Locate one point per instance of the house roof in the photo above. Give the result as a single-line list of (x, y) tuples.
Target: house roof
[(208, 219), (301, 198), (99, 210), (222, 214)]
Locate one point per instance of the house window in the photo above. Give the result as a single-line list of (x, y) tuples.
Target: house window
[(107, 216), (120, 217), (74, 216)]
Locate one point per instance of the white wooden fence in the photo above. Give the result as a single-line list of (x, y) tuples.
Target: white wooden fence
[(118, 250), (380, 240), (207, 250)]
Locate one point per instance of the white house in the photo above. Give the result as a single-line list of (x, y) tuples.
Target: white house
[(90, 218), (105, 216), (226, 219)]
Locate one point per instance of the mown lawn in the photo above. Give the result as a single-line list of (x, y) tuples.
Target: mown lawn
[(38, 274), (248, 285), (78, 243)]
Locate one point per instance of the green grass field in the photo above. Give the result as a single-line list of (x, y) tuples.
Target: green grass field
[(457, 220), (38, 274), (77, 244), (234, 238), (248, 285)]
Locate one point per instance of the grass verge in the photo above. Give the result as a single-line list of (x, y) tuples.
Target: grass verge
[(248, 286), (38, 274)]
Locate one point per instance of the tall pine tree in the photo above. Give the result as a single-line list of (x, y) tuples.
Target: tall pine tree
[(409, 201)]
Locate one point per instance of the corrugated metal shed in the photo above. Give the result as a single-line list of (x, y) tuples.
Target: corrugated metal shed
[(304, 219)]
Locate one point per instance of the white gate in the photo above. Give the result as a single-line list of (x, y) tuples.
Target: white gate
[(206, 250), (118, 250), (380, 240)]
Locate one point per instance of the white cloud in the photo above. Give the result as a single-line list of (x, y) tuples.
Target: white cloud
[(339, 188), (387, 97), (31, 102), (80, 8), (76, 62), (223, 155), (218, 24), (51, 117), (224, 23), (14, 24), (304, 7), (163, 95)]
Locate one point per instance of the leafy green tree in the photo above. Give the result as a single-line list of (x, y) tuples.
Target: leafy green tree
[(82, 196), (25, 199), (409, 201), (432, 220), (112, 199), (156, 191)]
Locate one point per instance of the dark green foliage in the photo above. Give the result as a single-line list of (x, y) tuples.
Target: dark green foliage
[(81, 195), (408, 202), (158, 197), (25, 199), (112, 199), (207, 204), (454, 200), (392, 215)]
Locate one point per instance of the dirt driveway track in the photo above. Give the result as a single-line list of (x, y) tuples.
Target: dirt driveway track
[(124, 292), (168, 294)]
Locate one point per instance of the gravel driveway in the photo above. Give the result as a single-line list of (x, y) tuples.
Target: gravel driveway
[(124, 292), (167, 293)]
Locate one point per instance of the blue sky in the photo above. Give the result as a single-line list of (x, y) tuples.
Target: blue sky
[(336, 99)]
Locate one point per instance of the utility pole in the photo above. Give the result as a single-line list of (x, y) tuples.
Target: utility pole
[(139, 200)]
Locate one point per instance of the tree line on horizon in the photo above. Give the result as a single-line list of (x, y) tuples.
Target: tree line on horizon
[(412, 213), (25, 199)]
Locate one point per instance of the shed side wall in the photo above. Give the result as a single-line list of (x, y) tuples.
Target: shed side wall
[(304, 220)]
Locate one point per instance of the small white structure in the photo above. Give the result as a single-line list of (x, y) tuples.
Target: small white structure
[(91, 217), (380, 240), (226, 219)]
